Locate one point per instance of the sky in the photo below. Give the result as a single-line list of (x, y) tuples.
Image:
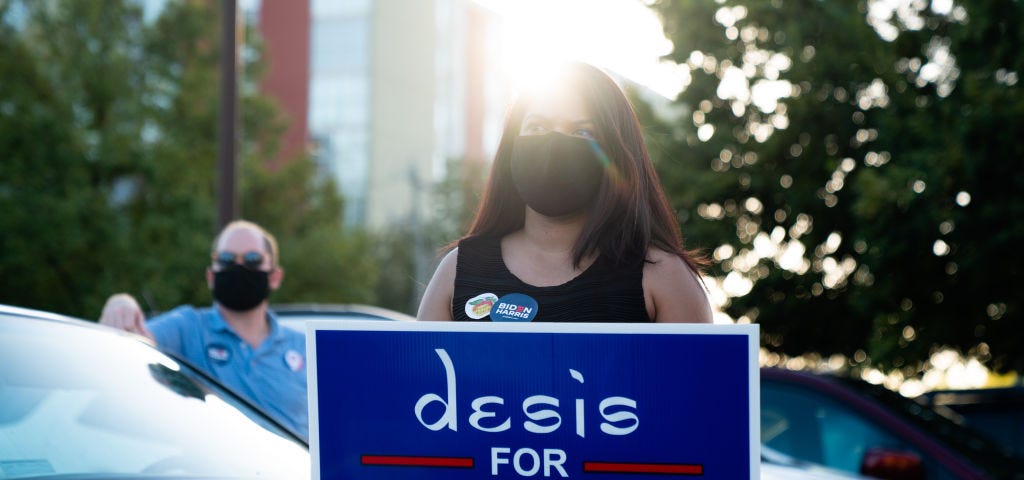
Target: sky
[(623, 36)]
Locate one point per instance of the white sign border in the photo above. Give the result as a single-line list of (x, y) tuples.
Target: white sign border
[(751, 331)]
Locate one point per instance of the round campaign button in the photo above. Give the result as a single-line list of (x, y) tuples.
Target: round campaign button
[(514, 307), (218, 353), (480, 306), (294, 360)]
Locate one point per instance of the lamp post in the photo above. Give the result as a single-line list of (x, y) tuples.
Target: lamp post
[(227, 170)]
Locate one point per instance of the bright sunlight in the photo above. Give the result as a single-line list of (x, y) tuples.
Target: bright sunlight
[(622, 36)]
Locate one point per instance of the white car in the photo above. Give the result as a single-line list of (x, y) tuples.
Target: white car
[(80, 400), (295, 315)]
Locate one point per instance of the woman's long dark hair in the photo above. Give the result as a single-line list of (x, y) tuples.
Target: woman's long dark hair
[(630, 213)]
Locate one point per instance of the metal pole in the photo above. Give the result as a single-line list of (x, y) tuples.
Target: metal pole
[(227, 204)]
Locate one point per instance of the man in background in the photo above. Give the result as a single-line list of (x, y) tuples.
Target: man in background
[(237, 340)]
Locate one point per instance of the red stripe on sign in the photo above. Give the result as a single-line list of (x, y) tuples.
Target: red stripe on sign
[(406, 461), (656, 468)]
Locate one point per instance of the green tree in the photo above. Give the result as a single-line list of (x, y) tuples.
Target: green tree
[(408, 253), (853, 169), (108, 128), (323, 262), (67, 130)]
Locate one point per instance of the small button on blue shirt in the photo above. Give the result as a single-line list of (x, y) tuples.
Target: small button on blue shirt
[(272, 376)]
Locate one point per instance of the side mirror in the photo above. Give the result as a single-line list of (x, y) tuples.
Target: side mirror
[(892, 465)]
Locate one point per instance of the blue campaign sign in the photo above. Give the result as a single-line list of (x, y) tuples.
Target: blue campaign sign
[(443, 400)]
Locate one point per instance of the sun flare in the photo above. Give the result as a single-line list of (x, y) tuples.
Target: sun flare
[(622, 36)]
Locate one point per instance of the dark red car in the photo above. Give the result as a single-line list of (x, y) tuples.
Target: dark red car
[(996, 412), (855, 426)]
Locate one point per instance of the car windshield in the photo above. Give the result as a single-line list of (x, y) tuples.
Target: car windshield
[(83, 400)]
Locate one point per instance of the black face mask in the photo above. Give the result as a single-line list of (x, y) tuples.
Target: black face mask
[(239, 288), (556, 174)]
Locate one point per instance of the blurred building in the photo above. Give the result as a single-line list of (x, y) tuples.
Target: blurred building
[(284, 27), (396, 89)]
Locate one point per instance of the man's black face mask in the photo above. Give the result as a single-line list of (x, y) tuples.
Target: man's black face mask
[(239, 288)]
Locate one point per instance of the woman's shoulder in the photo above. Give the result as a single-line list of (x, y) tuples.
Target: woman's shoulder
[(449, 259), (478, 244), (437, 299), (666, 268), (446, 267), (663, 261), (675, 288), (477, 252)]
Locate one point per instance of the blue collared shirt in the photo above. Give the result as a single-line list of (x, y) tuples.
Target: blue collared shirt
[(272, 376)]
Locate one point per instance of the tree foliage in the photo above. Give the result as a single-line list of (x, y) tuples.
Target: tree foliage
[(408, 253), (855, 169), (109, 140)]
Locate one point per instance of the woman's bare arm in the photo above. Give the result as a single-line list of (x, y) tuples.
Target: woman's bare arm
[(672, 291), (437, 299)]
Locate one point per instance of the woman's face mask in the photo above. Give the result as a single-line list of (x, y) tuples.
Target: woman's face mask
[(556, 174)]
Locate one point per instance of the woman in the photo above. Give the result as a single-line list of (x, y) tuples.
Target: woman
[(573, 225)]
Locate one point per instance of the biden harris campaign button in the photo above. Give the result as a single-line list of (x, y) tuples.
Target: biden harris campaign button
[(514, 307)]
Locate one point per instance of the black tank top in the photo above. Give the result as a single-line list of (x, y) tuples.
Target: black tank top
[(486, 290)]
